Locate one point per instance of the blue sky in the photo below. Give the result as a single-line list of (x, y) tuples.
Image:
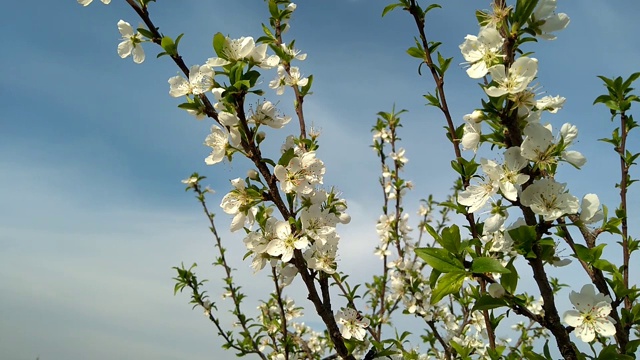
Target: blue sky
[(94, 215)]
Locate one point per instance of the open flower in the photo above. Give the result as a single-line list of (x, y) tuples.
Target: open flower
[(353, 324), (285, 242), (551, 22), (200, 81), (266, 114), (217, 141), (130, 44), (548, 198), (301, 174), (591, 314), (482, 51), (243, 48), (514, 79), (237, 203)]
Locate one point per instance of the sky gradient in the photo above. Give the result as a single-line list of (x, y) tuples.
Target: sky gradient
[(93, 150)]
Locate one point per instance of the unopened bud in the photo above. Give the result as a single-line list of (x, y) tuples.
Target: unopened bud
[(476, 116), (496, 290), (252, 174)]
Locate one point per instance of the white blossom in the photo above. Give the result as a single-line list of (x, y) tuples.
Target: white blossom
[(545, 11), (130, 44), (482, 51), (301, 174), (591, 314), (548, 198), (266, 114), (514, 79), (217, 140), (590, 211), (353, 324), (285, 242)]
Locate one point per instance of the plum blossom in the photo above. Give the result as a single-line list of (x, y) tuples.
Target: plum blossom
[(548, 198), (243, 48), (130, 44), (508, 175), (591, 314), (590, 211), (217, 140), (301, 174), (285, 242), (540, 146), (293, 77), (514, 79), (353, 324), (322, 257), (237, 203), (551, 22), (472, 130), (294, 53), (200, 81), (482, 51), (231, 121), (266, 114), (551, 103)]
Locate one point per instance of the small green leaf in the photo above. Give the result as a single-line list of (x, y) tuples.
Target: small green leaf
[(416, 53), (219, 42), (389, 8)]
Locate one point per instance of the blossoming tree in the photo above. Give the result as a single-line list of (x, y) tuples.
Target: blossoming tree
[(460, 274)]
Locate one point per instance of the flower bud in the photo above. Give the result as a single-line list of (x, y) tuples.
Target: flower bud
[(476, 116), (260, 136), (344, 218), (252, 174), (496, 290)]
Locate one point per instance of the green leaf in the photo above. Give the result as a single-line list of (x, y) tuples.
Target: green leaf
[(273, 9), (450, 239), (524, 9), (434, 234), (146, 33), (305, 89), (523, 238), (389, 8), (583, 253), (611, 353), (440, 259), (509, 281), (488, 265), (448, 284), (431, 7), (286, 157), (169, 46), (416, 53), (219, 42), (487, 302)]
